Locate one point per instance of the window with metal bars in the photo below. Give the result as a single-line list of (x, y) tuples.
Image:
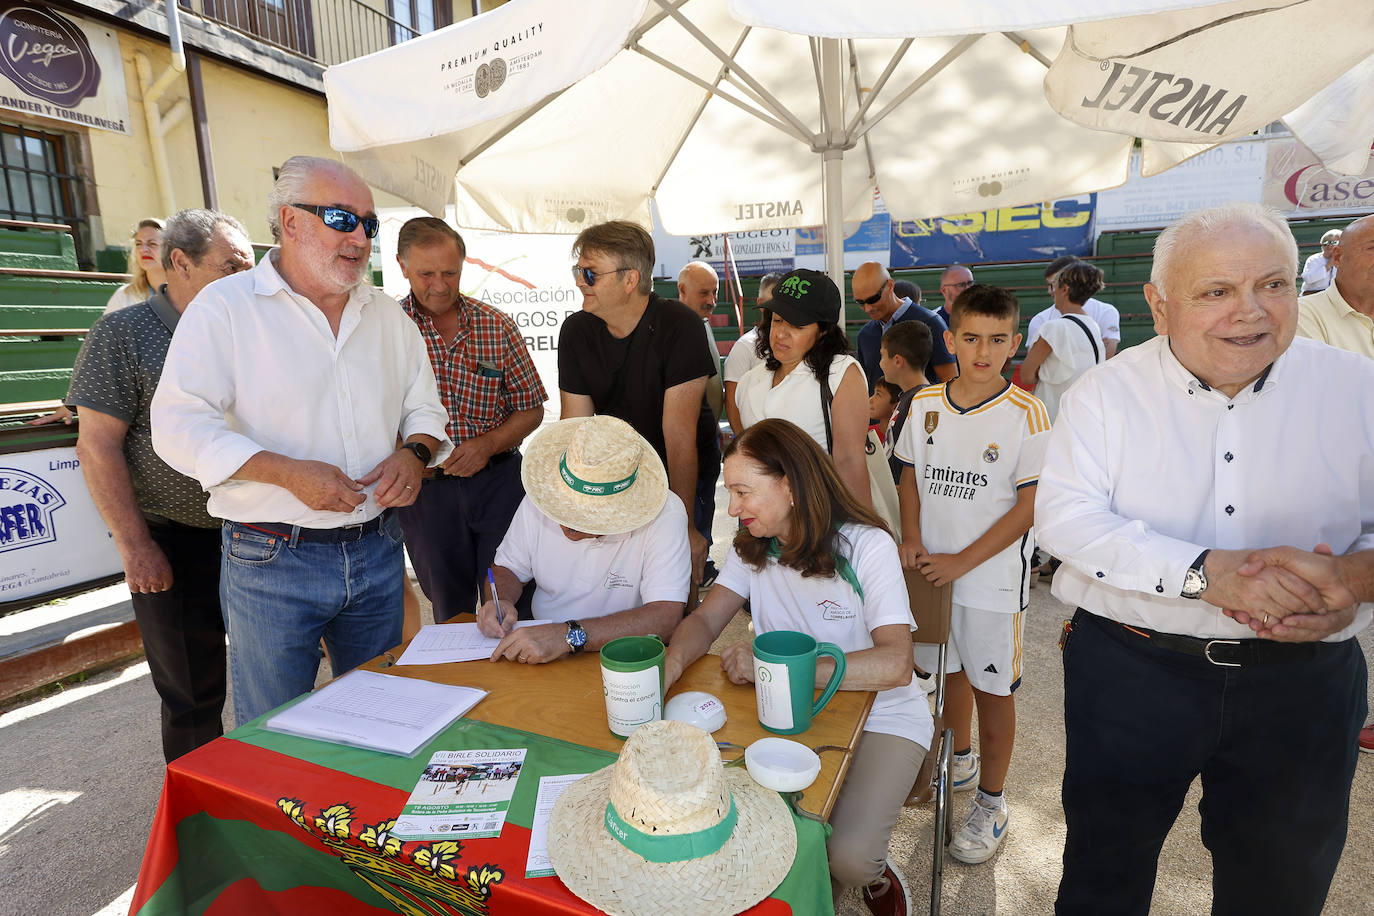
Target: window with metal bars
[(37, 180)]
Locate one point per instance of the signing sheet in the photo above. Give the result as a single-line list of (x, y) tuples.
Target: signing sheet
[(441, 643), (381, 712), (537, 865)]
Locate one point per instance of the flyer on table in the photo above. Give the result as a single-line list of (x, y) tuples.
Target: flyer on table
[(461, 794)]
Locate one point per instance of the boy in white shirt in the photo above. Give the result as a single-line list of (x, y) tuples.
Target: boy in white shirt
[(601, 537), (972, 451)]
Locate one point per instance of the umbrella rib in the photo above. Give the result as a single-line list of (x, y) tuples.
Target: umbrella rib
[(820, 83), (718, 92), (682, 141), (963, 45), (859, 97), (780, 110), (1024, 44), (867, 103)]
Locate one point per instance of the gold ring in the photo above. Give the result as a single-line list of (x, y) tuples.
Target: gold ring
[(1266, 618)]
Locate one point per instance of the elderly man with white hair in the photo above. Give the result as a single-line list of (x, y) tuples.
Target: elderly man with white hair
[(697, 286), (286, 391), (1167, 468), (1319, 270)]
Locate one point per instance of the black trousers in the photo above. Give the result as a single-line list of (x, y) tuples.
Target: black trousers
[(1275, 746), (452, 531), (183, 637)]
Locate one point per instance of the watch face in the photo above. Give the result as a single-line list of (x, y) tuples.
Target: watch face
[(577, 637)]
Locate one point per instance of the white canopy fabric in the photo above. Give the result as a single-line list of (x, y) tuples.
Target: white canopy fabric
[(545, 116)]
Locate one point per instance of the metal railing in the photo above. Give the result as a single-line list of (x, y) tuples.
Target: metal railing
[(325, 31)]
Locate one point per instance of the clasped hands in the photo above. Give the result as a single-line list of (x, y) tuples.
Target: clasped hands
[(1282, 593)]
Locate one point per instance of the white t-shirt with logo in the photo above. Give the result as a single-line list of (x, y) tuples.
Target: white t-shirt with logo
[(595, 577), (970, 462), (1105, 314), (831, 611)]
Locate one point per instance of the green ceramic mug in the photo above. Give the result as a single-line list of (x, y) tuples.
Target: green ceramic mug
[(632, 678), (785, 678)]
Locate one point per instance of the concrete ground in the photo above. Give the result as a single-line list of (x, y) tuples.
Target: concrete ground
[(80, 773)]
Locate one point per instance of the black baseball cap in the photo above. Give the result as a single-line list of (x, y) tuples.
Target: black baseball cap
[(805, 297)]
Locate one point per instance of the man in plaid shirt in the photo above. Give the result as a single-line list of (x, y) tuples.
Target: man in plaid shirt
[(494, 399)]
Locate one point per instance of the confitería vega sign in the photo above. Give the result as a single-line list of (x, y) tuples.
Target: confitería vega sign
[(61, 67)]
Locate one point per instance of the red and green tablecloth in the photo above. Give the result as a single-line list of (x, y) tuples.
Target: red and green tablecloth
[(266, 823)]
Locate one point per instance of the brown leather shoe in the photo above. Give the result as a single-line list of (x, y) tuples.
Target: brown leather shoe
[(888, 895)]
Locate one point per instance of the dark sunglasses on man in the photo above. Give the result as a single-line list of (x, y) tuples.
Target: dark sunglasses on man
[(589, 276), (873, 299), (340, 220)]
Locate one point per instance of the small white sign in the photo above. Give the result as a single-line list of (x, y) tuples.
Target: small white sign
[(773, 688)]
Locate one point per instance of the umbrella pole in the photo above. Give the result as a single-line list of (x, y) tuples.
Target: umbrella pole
[(832, 178)]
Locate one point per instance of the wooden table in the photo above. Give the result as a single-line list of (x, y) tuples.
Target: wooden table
[(564, 700)]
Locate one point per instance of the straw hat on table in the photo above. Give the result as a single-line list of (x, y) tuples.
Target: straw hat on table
[(595, 475), (666, 829)]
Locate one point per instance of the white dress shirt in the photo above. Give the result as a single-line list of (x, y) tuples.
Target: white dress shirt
[(254, 366), (1147, 467), (1104, 313)]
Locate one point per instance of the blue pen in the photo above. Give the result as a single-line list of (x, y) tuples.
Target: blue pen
[(495, 597)]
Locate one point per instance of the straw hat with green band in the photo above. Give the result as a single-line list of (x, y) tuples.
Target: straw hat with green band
[(667, 829), (595, 475)]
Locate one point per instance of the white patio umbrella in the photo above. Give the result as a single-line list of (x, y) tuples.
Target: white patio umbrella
[(735, 115)]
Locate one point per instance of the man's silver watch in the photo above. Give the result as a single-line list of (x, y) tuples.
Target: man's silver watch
[(1195, 580)]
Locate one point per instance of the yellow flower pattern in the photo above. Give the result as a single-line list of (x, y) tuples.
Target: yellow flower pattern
[(378, 837), (335, 820), (438, 858), (294, 808)]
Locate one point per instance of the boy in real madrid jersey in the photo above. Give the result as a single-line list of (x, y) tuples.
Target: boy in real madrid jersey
[(971, 451)]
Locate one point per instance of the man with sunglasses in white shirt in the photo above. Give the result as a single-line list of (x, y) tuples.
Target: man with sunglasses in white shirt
[(303, 400), (1166, 468)]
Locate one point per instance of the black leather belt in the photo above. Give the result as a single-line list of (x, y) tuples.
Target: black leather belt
[(341, 535), (437, 473), (1228, 653)]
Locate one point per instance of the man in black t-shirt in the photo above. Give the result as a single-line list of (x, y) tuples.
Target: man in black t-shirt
[(634, 355)]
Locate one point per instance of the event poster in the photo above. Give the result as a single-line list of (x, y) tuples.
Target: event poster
[(461, 794), (1035, 232), (51, 536), (61, 67)]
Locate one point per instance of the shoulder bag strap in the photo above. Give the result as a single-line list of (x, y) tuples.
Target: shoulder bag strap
[(826, 397), (1097, 357)]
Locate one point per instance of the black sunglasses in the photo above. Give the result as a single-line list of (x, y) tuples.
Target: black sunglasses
[(588, 276), (340, 220), (873, 299)]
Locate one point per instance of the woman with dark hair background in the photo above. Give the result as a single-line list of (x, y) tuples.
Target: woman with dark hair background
[(800, 330), (811, 558), (1069, 345)]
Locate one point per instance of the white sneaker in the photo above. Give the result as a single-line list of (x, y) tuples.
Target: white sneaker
[(926, 682), (963, 773), (981, 833)]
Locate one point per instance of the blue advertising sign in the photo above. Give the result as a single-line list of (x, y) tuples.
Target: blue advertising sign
[(872, 236), (1036, 232)]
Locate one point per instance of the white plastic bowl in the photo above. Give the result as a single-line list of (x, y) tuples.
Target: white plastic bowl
[(698, 708), (782, 765)]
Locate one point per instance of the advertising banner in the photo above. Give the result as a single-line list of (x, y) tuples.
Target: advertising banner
[(61, 67), (528, 277), (1295, 182), (51, 536), (863, 241), (1033, 232), (1233, 171)]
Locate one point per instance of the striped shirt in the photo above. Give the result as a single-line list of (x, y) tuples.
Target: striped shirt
[(970, 464), (485, 374)]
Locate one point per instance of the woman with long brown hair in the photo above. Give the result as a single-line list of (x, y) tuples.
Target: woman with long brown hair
[(811, 558)]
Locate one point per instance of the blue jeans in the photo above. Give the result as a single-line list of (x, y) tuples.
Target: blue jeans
[(280, 601)]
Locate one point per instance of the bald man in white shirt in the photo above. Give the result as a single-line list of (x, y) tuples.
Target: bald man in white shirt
[(1166, 468)]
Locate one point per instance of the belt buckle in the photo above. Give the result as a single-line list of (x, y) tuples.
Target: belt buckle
[(1207, 652)]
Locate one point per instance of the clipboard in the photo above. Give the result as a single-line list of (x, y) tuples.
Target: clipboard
[(930, 607)]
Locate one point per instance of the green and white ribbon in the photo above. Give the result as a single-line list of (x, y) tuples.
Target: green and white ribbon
[(589, 488), (678, 847)]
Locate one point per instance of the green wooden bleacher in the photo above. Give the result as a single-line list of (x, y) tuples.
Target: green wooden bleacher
[(46, 307)]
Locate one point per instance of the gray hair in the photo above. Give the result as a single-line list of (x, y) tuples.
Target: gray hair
[(1214, 220), (697, 265), (291, 179), (192, 231)]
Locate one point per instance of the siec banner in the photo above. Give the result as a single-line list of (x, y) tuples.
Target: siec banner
[(51, 536), (1036, 232), (61, 67)]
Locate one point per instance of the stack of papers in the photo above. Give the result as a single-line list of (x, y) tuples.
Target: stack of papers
[(381, 712), (441, 643)]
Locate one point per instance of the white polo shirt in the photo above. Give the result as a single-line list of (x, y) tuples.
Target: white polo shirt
[(742, 356), (1104, 313), (970, 464), (831, 611), (595, 577), (1147, 467)]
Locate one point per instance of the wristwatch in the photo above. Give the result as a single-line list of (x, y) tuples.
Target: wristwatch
[(419, 450), (1195, 580), (577, 637)]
